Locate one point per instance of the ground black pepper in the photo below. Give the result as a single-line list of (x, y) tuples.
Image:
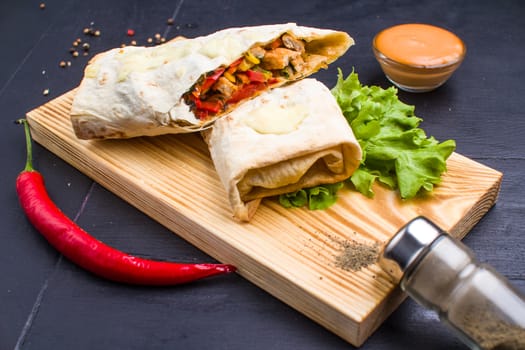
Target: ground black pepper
[(490, 333), (356, 255)]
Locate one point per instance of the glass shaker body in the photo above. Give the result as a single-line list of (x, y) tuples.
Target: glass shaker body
[(441, 273)]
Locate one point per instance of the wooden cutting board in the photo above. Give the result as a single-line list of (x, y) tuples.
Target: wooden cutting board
[(290, 253)]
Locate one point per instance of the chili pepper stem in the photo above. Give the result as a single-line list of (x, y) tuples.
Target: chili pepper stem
[(29, 148)]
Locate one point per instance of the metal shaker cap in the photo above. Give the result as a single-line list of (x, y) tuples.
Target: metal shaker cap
[(407, 246)]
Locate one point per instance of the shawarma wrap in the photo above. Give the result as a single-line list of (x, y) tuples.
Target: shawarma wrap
[(185, 85), (285, 139)]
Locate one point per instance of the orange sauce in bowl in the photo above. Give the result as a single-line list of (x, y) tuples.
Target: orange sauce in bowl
[(421, 45)]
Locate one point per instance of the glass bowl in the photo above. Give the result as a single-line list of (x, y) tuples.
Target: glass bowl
[(418, 57)]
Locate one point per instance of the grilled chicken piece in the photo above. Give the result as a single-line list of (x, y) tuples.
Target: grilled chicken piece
[(258, 52), (278, 58), (292, 43), (225, 87)]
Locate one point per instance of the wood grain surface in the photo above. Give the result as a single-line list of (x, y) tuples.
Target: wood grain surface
[(290, 253)]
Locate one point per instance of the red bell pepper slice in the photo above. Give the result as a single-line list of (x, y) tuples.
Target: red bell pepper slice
[(256, 76), (246, 91), (209, 106), (211, 79)]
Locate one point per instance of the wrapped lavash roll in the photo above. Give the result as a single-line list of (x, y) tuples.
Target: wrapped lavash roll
[(184, 85), (285, 139)]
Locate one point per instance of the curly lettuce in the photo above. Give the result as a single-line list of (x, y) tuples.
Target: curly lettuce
[(396, 152)]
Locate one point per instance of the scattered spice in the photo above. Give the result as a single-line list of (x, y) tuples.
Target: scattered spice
[(133, 42), (45, 92), (86, 46), (356, 255), (42, 5), (170, 21), (62, 64)]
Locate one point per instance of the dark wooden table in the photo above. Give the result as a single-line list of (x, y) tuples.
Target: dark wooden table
[(48, 303)]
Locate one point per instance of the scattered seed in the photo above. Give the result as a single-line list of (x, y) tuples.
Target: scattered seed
[(157, 36), (42, 5), (163, 39), (86, 46), (170, 21), (75, 53), (149, 40), (45, 92), (133, 42), (91, 31), (62, 64)]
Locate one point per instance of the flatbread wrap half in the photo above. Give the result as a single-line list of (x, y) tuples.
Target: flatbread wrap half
[(285, 139), (184, 85)]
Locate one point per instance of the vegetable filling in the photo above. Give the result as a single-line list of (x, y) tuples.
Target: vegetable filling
[(260, 68)]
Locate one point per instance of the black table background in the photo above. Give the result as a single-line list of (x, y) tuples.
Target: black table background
[(48, 303)]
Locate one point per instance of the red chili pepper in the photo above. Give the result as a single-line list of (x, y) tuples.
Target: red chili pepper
[(130, 32), (88, 252)]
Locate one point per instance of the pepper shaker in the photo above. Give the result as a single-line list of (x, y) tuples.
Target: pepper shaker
[(441, 273)]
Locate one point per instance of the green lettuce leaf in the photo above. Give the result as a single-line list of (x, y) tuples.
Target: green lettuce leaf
[(316, 198), (396, 152)]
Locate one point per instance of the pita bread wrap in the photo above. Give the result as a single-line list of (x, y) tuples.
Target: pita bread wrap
[(147, 91), (286, 139)]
